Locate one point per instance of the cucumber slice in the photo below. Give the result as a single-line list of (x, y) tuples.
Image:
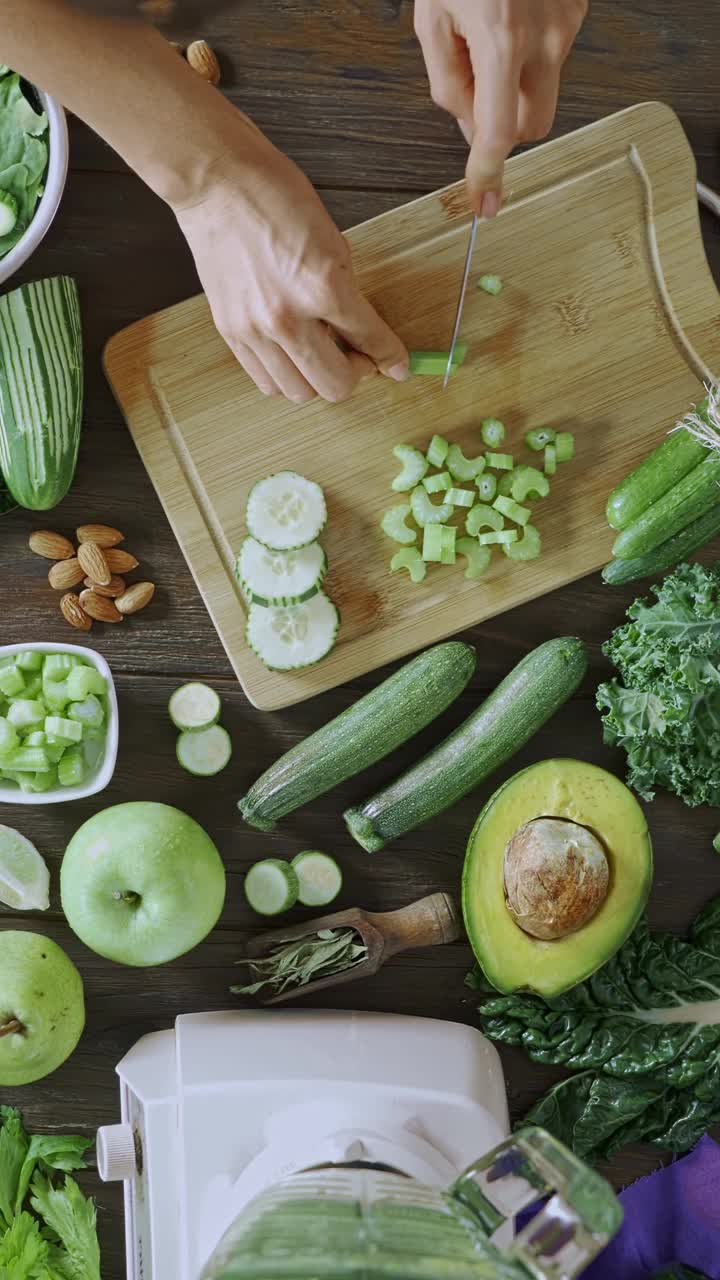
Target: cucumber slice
[(286, 639), (414, 467), (24, 877), (194, 706), (204, 752), (271, 886), (286, 511), (280, 577), (319, 878)]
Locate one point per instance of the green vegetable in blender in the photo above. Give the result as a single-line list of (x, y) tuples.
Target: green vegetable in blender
[(663, 709), (295, 963), (643, 1035)]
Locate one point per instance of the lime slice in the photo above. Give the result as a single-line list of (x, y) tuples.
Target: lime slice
[(24, 877)]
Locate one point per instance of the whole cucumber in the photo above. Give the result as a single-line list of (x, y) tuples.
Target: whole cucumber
[(521, 704), (693, 496), (668, 554), (656, 474), (368, 731)]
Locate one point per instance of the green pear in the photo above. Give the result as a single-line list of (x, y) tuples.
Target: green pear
[(142, 883), (42, 1009)]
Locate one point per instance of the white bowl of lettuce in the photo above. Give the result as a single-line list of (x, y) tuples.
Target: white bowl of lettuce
[(33, 168)]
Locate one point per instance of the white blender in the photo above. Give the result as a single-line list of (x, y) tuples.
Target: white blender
[(303, 1145)]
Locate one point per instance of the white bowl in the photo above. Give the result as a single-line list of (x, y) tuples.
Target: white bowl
[(54, 186), (10, 793)]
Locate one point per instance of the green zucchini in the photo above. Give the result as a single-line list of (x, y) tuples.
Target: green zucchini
[(668, 554), (41, 390), (522, 702), (655, 476), (693, 496), (363, 734)]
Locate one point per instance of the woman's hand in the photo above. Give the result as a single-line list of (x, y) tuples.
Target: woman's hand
[(495, 65), (278, 277)]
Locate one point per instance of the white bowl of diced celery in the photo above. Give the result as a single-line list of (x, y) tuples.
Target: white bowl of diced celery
[(58, 723)]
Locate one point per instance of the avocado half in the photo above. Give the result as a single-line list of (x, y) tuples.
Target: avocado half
[(576, 792)]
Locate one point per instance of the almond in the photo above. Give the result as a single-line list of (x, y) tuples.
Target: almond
[(136, 597), (73, 612), (120, 561), (66, 574), (203, 59), (103, 535), (115, 587), (95, 566), (52, 546), (99, 607)]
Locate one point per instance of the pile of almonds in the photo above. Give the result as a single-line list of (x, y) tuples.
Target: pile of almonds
[(98, 562)]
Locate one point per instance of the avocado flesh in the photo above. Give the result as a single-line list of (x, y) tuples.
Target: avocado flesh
[(510, 958)]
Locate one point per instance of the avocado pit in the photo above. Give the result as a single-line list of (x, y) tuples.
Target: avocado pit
[(556, 877)]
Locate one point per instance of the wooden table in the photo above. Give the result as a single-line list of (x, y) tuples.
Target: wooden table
[(340, 85)]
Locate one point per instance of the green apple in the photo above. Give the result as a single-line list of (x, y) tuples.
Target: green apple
[(142, 883), (42, 1009)]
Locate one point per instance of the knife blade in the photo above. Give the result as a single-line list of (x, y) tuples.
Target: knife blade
[(461, 298)]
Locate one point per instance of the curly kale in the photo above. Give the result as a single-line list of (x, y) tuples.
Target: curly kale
[(664, 709)]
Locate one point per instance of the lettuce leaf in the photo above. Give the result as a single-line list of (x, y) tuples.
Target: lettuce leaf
[(664, 709), (643, 1034), (23, 154)]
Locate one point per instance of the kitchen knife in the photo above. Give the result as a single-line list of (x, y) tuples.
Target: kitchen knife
[(461, 298)]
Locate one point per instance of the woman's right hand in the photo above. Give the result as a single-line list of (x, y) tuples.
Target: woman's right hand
[(278, 276)]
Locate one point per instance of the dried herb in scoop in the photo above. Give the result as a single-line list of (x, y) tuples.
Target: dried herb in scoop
[(299, 961)]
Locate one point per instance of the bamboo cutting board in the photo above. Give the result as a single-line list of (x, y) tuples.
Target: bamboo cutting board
[(607, 325)]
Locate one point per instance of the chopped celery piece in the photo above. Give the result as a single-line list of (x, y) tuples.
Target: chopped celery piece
[(23, 712), (33, 686), (462, 468), (8, 737), (30, 661), (63, 730), (58, 665), (55, 751), (492, 432), (528, 482), (482, 517), (28, 760), (425, 512), (539, 437), (491, 284), (36, 739), (550, 460), (414, 466), (527, 548), (439, 483), (12, 681), (45, 781), (409, 558), (564, 446), (393, 524), (437, 451), (85, 680), (460, 497), (71, 769), (89, 712), (25, 781), (439, 543), (487, 486), (56, 695), (501, 538), (512, 509), (434, 363), (500, 461), (505, 484), (478, 558)]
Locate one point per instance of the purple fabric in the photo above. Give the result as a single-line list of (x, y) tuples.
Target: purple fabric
[(672, 1216)]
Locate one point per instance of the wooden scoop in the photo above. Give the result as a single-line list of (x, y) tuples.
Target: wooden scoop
[(425, 923)]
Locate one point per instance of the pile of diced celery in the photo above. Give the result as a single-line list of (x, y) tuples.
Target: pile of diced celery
[(53, 719)]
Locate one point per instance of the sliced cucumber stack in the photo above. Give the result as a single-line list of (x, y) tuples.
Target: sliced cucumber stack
[(271, 886), (194, 706), (203, 747), (319, 878), (286, 511), (281, 566), (280, 577)]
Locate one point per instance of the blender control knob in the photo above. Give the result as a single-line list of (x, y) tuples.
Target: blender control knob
[(116, 1154)]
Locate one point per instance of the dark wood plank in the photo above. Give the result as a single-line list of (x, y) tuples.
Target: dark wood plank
[(341, 86)]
